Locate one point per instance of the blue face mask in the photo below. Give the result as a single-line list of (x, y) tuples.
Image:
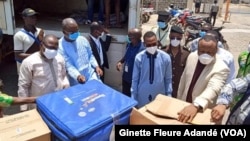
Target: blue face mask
[(128, 40), (202, 33), (74, 36), (162, 25)]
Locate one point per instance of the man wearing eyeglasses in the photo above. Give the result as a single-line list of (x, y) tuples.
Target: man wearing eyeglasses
[(42, 72), (178, 56), (81, 64), (152, 72)]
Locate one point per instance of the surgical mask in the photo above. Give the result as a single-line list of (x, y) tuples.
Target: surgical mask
[(128, 40), (205, 59), (50, 53), (249, 47), (151, 50), (202, 33), (162, 25), (74, 36), (175, 42)]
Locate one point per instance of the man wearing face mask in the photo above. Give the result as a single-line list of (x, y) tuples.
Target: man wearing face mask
[(194, 44), (202, 80), (152, 72), (134, 46), (42, 72), (224, 54), (81, 64), (163, 29), (178, 56), (99, 40)]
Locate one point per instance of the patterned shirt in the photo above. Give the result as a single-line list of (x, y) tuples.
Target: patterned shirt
[(230, 90), (79, 59)]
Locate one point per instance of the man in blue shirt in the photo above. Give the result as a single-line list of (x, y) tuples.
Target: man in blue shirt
[(134, 46), (152, 72), (81, 64)]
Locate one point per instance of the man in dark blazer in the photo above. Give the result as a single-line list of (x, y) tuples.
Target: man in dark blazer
[(99, 40)]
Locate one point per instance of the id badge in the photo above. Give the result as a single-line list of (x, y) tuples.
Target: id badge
[(126, 68)]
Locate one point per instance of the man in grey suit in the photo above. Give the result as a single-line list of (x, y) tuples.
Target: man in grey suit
[(200, 85)]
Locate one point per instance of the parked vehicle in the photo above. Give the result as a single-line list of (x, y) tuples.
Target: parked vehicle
[(195, 22)]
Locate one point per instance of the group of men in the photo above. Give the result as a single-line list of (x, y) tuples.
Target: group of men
[(198, 77), (46, 64)]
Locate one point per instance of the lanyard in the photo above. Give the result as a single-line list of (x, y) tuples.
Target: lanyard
[(163, 34), (32, 36)]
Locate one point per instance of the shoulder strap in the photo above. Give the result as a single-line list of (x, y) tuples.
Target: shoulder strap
[(32, 36)]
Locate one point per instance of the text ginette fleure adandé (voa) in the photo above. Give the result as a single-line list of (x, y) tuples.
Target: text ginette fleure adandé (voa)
[(160, 132)]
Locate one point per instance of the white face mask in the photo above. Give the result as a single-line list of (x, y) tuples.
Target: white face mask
[(249, 47), (151, 50), (175, 42), (205, 59), (50, 53)]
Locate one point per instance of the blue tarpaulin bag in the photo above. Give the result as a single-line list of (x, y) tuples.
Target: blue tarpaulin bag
[(85, 112)]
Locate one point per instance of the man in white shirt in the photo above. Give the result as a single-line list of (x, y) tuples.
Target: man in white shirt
[(224, 54), (162, 31), (27, 40), (42, 72)]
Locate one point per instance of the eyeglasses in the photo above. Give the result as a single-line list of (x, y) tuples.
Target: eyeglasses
[(177, 38)]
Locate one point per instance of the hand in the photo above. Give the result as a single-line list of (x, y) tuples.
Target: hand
[(81, 79), (99, 71), (119, 66), (218, 112), (105, 30), (188, 113), (66, 86)]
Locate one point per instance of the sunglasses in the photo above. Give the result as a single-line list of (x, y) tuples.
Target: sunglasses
[(177, 38)]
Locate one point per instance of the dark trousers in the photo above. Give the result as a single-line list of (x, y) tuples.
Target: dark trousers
[(213, 16), (102, 77), (91, 11), (126, 88)]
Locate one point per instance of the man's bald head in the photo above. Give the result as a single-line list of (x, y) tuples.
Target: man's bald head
[(69, 23), (95, 26), (50, 42), (135, 32), (50, 38)]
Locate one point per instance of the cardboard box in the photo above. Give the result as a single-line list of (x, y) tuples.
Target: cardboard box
[(163, 110), (24, 126)]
